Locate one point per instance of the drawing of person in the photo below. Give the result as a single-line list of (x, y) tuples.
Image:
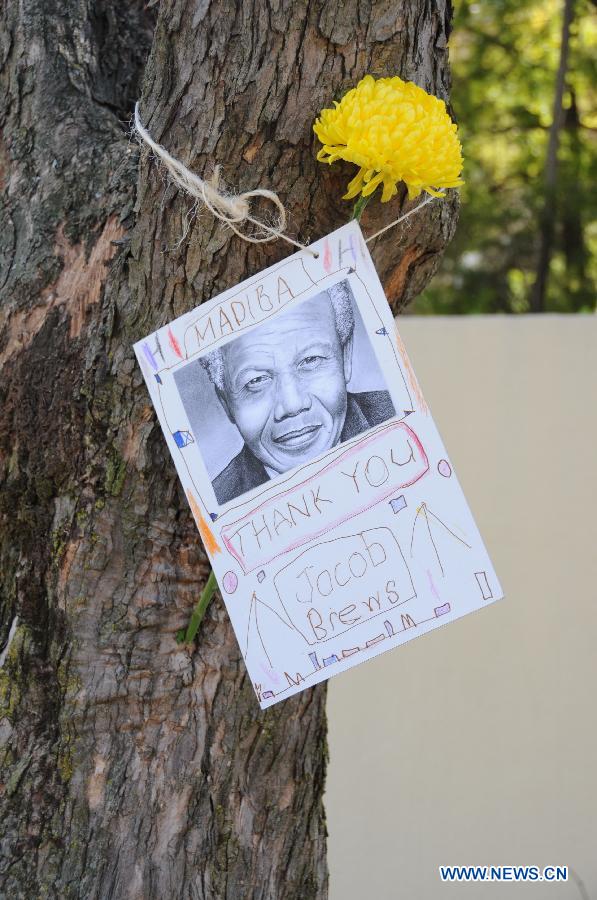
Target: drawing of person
[(284, 386)]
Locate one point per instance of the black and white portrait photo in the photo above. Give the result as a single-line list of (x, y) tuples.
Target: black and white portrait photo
[(284, 393)]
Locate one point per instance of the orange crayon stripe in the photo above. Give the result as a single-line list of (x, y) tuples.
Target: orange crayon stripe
[(207, 535), (412, 378)]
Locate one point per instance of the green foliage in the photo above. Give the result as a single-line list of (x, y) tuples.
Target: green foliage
[(505, 56)]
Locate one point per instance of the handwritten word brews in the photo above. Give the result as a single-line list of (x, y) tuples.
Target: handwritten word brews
[(258, 300), (359, 478), (339, 583)]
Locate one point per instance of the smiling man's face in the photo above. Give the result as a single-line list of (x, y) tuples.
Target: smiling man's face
[(285, 385)]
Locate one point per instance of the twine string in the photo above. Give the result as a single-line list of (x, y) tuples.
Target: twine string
[(235, 209), (406, 215), (231, 209)]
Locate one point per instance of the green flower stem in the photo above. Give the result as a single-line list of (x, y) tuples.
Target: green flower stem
[(186, 637), (359, 207)]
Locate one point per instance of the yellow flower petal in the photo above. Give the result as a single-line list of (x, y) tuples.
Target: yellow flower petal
[(354, 187), (370, 186)]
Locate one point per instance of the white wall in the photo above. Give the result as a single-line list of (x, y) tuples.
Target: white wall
[(483, 749)]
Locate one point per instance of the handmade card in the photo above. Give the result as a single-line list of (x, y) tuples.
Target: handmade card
[(325, 498)]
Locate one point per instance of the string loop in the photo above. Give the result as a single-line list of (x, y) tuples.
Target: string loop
[(231, 209)]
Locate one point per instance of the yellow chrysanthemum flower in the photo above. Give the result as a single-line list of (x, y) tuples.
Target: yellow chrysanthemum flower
[(394, 131)]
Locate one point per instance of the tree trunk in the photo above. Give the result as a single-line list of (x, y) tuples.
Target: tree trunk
[(131, 767), (548, 212), (574, 245)]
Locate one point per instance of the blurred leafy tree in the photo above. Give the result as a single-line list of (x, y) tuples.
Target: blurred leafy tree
[(505, 60)]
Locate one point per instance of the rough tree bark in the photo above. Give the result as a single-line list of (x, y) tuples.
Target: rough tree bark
[(131, 767)]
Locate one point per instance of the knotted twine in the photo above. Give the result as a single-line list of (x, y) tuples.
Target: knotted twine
[(235, 209)]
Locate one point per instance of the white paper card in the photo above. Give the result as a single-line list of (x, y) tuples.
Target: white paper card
[(324, 495)]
